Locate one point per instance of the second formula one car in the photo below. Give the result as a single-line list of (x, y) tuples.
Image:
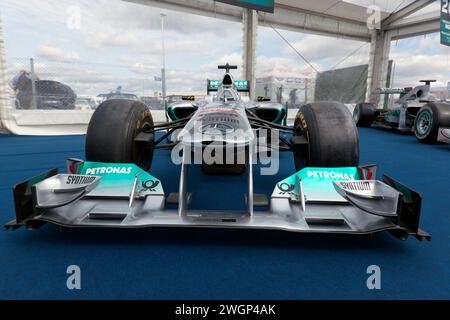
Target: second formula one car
[(113, 188), (416, 111)]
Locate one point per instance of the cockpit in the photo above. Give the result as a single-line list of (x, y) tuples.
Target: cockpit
[(227, 94)]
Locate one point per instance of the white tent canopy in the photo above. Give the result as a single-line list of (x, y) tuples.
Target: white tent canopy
[(345, 19), (328, 17)]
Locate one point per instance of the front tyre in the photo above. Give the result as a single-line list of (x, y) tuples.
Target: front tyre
[(428, 120), (331, 133), (112, 131)]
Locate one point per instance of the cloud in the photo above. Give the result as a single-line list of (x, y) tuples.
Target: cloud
[(420, 58), (120, 43), (326, 52), (410, 69), (233, 59), (56, 54), (110, 38), (141, 17), (282, 67)]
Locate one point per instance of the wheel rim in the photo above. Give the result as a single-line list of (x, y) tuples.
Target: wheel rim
[(424, 123), (356, 114)]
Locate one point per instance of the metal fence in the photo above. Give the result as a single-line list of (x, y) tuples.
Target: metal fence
[(293, 91), (44, 84), (49, 85)]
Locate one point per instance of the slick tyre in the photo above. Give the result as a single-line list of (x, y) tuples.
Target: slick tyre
[(112, 131), (428, 120), (364, 114), (331, 135)]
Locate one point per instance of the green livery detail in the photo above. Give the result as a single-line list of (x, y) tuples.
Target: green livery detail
[(117, 179), (260, 5), (393, 91), (281, 117), (394, 112), (445, 32), (171, 113), (241, 85), (317, 183)]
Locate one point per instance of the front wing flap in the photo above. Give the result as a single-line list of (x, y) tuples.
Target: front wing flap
[(314, 200)]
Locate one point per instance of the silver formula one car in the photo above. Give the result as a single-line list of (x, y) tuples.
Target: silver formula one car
[(330, 192), (416, 111)]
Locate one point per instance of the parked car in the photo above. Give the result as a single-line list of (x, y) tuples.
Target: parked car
[(49, 94)]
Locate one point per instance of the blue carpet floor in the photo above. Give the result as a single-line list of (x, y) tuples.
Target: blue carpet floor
[(227, 264)]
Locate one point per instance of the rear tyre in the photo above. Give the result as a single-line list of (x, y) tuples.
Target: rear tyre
[(364, 114), (112, 131), (331, 134), (428, 120)]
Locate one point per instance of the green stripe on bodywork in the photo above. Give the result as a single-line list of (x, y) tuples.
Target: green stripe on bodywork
[(393, 91), (118, 178), (317, 182), (171, 113), (281, 116), (241, 85)]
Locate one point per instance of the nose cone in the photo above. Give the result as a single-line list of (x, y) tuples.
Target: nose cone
[(218, 123)]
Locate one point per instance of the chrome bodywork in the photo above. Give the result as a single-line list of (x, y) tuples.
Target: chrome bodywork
[(444, 135), (298, 204), (228, 96), (217, 122), (313, 200), (401, 113)]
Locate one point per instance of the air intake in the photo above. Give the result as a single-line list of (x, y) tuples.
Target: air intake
[(227, 81)]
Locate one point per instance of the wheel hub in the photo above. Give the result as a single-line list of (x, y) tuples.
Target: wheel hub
[(424, 123)]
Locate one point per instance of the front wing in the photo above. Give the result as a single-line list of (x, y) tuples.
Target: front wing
[(314, 200)]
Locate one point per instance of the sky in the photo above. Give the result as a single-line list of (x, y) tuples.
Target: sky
[(117, 43)]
